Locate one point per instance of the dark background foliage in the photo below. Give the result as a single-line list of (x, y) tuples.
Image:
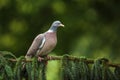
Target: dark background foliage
[(91, 26)]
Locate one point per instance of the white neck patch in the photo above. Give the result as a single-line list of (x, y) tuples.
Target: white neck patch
[(50, 31)]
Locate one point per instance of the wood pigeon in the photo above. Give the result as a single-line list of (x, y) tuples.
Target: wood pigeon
[(44, 43)]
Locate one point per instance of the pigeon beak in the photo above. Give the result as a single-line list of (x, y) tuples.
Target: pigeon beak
[(61, 25)]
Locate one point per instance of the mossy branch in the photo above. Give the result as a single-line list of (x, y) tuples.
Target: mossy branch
[(88, 61)]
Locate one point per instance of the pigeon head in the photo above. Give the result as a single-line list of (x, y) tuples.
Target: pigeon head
[(55, 25)]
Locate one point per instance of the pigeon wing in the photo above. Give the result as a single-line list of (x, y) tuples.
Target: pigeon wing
[(37, 44)]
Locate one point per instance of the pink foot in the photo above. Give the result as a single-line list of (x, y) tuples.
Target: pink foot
[(49, 57), (40, 58)]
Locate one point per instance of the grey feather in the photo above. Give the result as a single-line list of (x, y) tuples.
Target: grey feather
[(35, 46)]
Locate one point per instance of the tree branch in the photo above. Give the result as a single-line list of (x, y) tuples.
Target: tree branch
[(88, 61)]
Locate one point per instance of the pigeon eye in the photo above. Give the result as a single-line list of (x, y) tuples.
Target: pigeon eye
[(58, 23)]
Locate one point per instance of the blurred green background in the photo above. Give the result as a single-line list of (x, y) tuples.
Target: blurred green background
[(92, 27)]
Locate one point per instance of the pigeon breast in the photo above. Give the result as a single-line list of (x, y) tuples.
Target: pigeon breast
[(49, 45)]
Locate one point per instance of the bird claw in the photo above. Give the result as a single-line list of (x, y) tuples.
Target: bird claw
[(49, 57), (40, 59)]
